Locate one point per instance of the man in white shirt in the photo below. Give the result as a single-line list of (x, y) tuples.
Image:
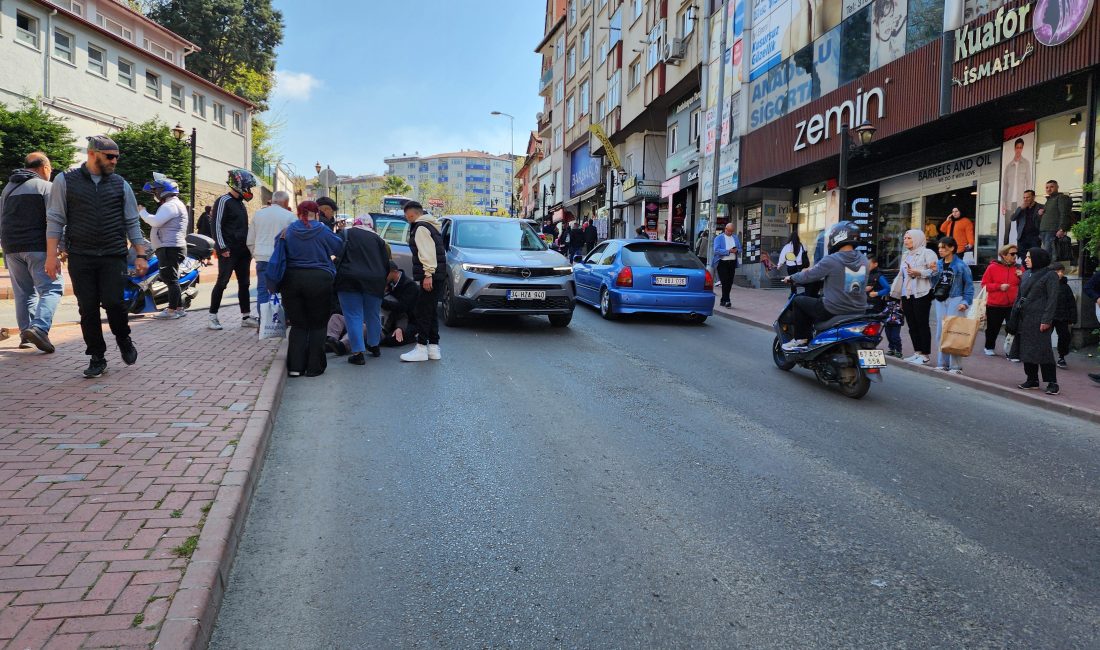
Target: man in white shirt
[(268, 224), (726, 248)]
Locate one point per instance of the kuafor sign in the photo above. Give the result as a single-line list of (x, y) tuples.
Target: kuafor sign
[(821, 126)]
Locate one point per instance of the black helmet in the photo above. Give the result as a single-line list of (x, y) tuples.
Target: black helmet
[(843, 233)]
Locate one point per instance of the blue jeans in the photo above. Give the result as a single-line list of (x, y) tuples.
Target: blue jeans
[(893, 335), (361, 309), (36, 295), (949, 307), (1048, 242), (262, 295)]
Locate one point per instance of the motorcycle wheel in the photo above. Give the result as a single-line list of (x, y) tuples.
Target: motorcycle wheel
[(857, 388), (778, 357)]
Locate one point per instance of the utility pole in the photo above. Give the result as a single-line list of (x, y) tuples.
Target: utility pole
[(719, 107)]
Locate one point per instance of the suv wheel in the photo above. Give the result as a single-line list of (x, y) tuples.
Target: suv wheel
[(450, 314)]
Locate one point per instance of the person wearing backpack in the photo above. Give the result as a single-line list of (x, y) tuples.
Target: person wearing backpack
[(360, 285)]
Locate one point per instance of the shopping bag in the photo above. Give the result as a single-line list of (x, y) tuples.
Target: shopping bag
[(272, 319), (959, 334), (977, 310)]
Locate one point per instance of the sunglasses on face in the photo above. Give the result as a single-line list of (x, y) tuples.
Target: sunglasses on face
[(1010, 254), (111, 156)]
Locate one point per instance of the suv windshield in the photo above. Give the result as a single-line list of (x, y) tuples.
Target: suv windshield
[(502, 234), (659, 255)]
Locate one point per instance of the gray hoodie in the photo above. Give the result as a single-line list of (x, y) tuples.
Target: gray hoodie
[(845, 276)]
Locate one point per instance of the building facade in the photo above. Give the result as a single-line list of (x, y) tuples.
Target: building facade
[(484, 179), (102, 66)]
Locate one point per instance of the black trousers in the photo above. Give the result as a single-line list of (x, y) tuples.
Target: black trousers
[(426, 315), (238, 263), (805, 311), (1063, 329), (791, 270), (307, 301), (995, 317), (916, 312), (726, 270), (100, 282), (169, 259), (1050, 372)]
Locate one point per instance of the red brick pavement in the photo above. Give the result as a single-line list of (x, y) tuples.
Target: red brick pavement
[(100, 479)]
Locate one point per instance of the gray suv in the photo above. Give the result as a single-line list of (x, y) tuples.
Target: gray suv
[(497, 265)]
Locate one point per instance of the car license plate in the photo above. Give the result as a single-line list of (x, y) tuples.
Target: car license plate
[(872, 359), (669, 281), (523, 294)]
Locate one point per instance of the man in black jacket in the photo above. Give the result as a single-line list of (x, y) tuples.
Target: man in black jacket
[(96, 211), (429, 257), (591, 237), (230, 228), (398, 324)]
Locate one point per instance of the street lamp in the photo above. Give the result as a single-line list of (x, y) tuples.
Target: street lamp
[(193, 142), (512, 159), (865, 132)]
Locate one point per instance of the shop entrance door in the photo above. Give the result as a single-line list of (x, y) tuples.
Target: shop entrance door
[(937, 207)]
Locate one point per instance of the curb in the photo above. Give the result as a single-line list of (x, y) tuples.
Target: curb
[(194, 609), (978, 384)]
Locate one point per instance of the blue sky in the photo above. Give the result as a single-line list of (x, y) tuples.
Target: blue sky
[(360, 80)]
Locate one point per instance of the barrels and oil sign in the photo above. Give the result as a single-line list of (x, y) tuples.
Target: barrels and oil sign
[(994, 46)]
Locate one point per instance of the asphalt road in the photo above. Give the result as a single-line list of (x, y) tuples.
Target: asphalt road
[(651, 484)]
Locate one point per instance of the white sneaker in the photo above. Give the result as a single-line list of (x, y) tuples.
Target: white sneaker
[(955, 371), (419, 353), (433, 352), (167, 314), (918, 359), (990, 353), (181, 312), (794, 344), (214, 323), (248, 321)]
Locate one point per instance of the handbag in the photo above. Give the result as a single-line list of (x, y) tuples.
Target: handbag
[(272, 319), (958, 335), (1016, 315), (276, 265)]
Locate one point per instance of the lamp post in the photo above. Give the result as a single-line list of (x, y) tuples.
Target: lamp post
[(512, 160), (193, 142), (865, 132)]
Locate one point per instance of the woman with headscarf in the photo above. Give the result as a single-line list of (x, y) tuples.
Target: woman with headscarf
[(1037, 301), (306, 290), (360, 285), (914, 288)]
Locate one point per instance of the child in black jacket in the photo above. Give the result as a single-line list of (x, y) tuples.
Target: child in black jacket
[(1065, 313)]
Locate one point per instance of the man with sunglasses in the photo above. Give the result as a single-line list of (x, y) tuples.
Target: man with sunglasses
[(96, 211)]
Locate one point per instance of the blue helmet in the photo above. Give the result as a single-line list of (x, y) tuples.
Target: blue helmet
[(161, 185)]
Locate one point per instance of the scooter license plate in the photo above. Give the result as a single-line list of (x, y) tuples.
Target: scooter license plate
[(872, 359)]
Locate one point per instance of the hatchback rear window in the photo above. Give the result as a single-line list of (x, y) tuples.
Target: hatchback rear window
[(660, 255)]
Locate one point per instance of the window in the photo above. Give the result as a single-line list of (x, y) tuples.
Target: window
[(219, 114), (855, 45), (152, 84), (177, 96), (673, 139), (925, 23), (635, 74), (558, 140), (26, 29), (572, 12), (584, 97), (639, 7), (695, 123), (63, 45), (603, 3), (603, 52), (238, 122), (126, 73), (559, 47), (115, 27), (559, 91), (570, 112), (198, 105), (586, 44), (600, 108), (160, 50), (614, 90), (571, 63), (687, 22), (97, 60), (656, 41)]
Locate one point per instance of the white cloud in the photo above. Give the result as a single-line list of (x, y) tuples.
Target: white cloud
[(295, 85)]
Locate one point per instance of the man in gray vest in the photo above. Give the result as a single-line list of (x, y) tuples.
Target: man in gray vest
[(96, 211), (23, 239)]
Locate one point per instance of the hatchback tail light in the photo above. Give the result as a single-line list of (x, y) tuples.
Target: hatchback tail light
[(708, 283), (872, 329), (625, 277)]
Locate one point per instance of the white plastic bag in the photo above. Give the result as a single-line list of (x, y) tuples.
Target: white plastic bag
[(977, 310), (272, 319)]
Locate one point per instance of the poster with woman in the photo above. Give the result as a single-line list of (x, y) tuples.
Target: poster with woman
[(888, 22)]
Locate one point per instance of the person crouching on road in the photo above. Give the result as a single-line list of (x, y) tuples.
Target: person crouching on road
[(952, 294), (97, 212), (1039, 296), (399, 305), (168, 231), (307, 290), (360, 284), (429, 257)]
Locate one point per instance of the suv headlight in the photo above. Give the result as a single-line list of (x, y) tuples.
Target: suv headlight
[(478, 268), (563, 270)]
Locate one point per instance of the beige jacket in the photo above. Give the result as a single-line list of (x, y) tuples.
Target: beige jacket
[(425, 245)]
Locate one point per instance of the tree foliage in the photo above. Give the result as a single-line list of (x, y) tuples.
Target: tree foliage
[(1087, 230), (31, 128), (396, 185), (150, 147)]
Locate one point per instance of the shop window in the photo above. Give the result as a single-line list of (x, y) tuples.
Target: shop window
[(924, 24), (895, 217), (855, 45), (986, 221)]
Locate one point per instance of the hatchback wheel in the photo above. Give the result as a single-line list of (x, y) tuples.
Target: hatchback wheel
[(605, 304), (450, 314)]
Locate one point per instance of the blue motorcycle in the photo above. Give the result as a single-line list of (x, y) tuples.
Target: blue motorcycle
[(146, 293), (842, 353)]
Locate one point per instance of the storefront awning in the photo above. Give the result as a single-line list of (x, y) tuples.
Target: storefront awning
[(581, 197)]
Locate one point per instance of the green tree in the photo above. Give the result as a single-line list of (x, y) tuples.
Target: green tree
[(396, 185), (31, 128), (150, 147), (453, 203), (1087, 230)]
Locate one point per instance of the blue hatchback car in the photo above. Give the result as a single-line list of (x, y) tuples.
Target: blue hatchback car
[(626, 276)]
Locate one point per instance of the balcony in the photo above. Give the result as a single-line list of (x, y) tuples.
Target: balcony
[(545, 122), (546, 81)]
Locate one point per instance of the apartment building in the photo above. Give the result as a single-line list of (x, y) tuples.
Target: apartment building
[(101, 66), (484, 177)]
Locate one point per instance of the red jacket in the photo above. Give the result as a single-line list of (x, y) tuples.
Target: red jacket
[(995, 275)]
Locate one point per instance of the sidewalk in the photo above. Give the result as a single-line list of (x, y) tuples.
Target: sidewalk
[(1079, 395), (121, 497), (208, 274)]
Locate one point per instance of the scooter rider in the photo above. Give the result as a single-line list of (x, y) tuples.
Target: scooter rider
[(168, 231), (844, 272)]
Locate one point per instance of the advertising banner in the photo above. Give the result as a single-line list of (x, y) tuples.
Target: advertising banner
[(771, 18), (889, 19), (584, 170), (1018, 175)]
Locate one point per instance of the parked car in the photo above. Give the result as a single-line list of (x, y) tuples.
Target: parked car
[(625, 276), (497, 266)]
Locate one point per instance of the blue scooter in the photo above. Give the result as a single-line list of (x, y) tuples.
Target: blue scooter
[(146, 293), (842, 353)]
